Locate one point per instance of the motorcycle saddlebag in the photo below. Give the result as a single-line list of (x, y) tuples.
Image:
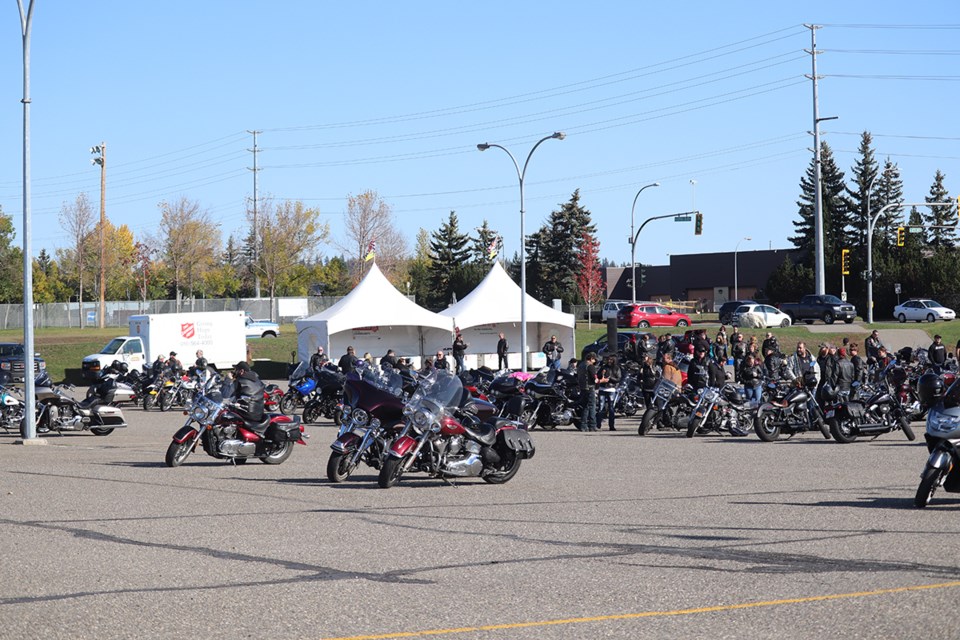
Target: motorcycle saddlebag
[(517, 440), (284, 431), (856, 410)]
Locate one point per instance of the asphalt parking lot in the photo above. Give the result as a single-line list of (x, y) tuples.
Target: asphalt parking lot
[(605, 535)]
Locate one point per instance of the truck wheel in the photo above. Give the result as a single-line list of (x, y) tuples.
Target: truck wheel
[(828, 318), (269, 334)]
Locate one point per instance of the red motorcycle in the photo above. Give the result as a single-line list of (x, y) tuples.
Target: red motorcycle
[(272, 396), (224, 434), (444, 437)]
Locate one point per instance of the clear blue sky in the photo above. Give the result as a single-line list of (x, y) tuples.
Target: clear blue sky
[(394, 97)]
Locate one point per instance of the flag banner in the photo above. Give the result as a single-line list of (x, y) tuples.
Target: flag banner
[(371, 251), (492, 249)]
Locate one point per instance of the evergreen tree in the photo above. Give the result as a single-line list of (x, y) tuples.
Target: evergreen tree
[(889, 189), (537, 272), (836, 211), (418, 268), (865, 175), (941, 221), (789, 282), (448, 250), (480, 248), (562, 250)]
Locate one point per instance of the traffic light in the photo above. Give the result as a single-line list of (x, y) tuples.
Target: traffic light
[(643, 275), (901, 231), (845, 261), (698, 224)]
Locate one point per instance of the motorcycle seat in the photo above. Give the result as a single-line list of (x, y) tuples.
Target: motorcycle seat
[(485, 433), (258, 427), (89, 403)]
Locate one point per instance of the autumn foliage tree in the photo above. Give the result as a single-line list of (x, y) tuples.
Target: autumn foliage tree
[(590, 278)]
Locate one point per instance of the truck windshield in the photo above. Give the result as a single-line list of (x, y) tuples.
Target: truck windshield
[(832, 300), (11, 350), (113, 346)]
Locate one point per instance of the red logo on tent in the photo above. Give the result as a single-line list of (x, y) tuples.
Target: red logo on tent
[(187, 330)]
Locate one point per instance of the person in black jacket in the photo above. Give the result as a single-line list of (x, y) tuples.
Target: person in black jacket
[(440, 362), (459, 348), (937, 353), (842, 374), (348, 361), (607, 379), (859, 366), (389, 360), (649, 375), (502, 349), (751, 375), (318, 359), (248, 392), (587, 384), (698, 375), (552, 349)]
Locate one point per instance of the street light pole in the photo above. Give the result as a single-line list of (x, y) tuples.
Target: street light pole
[(29, 432), (521, 174), (101, 159), (870, 223), (736, 289), (633, 246)]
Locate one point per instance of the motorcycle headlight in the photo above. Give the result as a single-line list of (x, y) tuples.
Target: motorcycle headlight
[(941, 422), (360, 417), (422, 418), (198, 412)]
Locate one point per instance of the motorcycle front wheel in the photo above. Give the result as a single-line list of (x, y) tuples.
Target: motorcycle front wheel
[(765, 427), (288, 404), (692, 425), (311, 413), (177, 452), (338, 467), (843, 431), (390, 472), (149, 401), (278, 453), (907, 429), (646, 422), (929, 483), (165, 400), (506, 472)]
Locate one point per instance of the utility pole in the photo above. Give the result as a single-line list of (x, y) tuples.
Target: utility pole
[(256, 236), (101, 160), (818, 268)]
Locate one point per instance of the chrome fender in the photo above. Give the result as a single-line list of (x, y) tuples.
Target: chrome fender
[(939, 459)]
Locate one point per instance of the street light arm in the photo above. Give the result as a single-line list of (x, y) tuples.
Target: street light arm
[(669, 215)]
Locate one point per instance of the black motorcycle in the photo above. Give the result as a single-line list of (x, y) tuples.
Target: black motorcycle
[(326, 399), (721, 410), (868, 412), (549, 403), (791, 408), (669, 408)]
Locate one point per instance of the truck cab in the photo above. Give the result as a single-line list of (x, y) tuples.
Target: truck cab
[(261, 328), (127, 349)]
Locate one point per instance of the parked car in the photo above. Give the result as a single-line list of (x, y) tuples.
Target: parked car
[(727, 308), (771, 316), (610, 309), (11, 362), (814, 307), (599, 346), (920, 309), (650, 315)]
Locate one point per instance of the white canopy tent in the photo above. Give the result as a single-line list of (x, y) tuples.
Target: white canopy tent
[(372, 318), (494, 307)]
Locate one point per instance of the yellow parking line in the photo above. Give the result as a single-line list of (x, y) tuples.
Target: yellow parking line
[(649, 614)]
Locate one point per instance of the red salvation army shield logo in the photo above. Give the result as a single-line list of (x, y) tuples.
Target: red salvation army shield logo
[(187, 330)]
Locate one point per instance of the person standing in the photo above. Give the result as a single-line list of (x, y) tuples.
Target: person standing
[(937, 352), (459, 348), (872, 345), (502, 349), (720, 345), (751, 375), (738, 350), (859, 367), (201, 363), (608, 379), (348, 362), (552, 349), (670, 371), (587, 383)]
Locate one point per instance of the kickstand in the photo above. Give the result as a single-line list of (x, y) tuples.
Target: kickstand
[(791, 435), (449, 482)]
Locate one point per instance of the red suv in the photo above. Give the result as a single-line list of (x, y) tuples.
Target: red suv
[(650, 315)]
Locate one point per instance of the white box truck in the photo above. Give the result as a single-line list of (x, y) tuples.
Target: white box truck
[(220, 334)]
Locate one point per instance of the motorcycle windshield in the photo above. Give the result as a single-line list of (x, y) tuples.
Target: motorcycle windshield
[(388, 380), (438, 390), (299, 372)]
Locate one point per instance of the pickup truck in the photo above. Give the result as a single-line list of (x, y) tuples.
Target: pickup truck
[(11, 362), (826, 308), (261, 328)]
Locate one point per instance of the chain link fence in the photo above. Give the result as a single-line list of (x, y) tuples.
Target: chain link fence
[(72, 314)]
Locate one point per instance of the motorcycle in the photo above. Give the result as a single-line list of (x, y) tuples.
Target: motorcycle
[(791, 409), (177, 392), (546, 403), (850, 416), (628, 396), (214, 422), (11, 409), (129, 383), (669, 408), (301, 388), (327, 398), (444, 438), (272, 396), (371, 418), (943, 442), (721, 410), (58, 411)]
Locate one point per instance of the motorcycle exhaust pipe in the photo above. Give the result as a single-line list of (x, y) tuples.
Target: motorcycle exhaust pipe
[(871, 429)]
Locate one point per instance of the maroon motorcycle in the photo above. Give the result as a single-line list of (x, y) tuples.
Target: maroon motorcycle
[(371, 416), (214, 422), (448, 434)]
